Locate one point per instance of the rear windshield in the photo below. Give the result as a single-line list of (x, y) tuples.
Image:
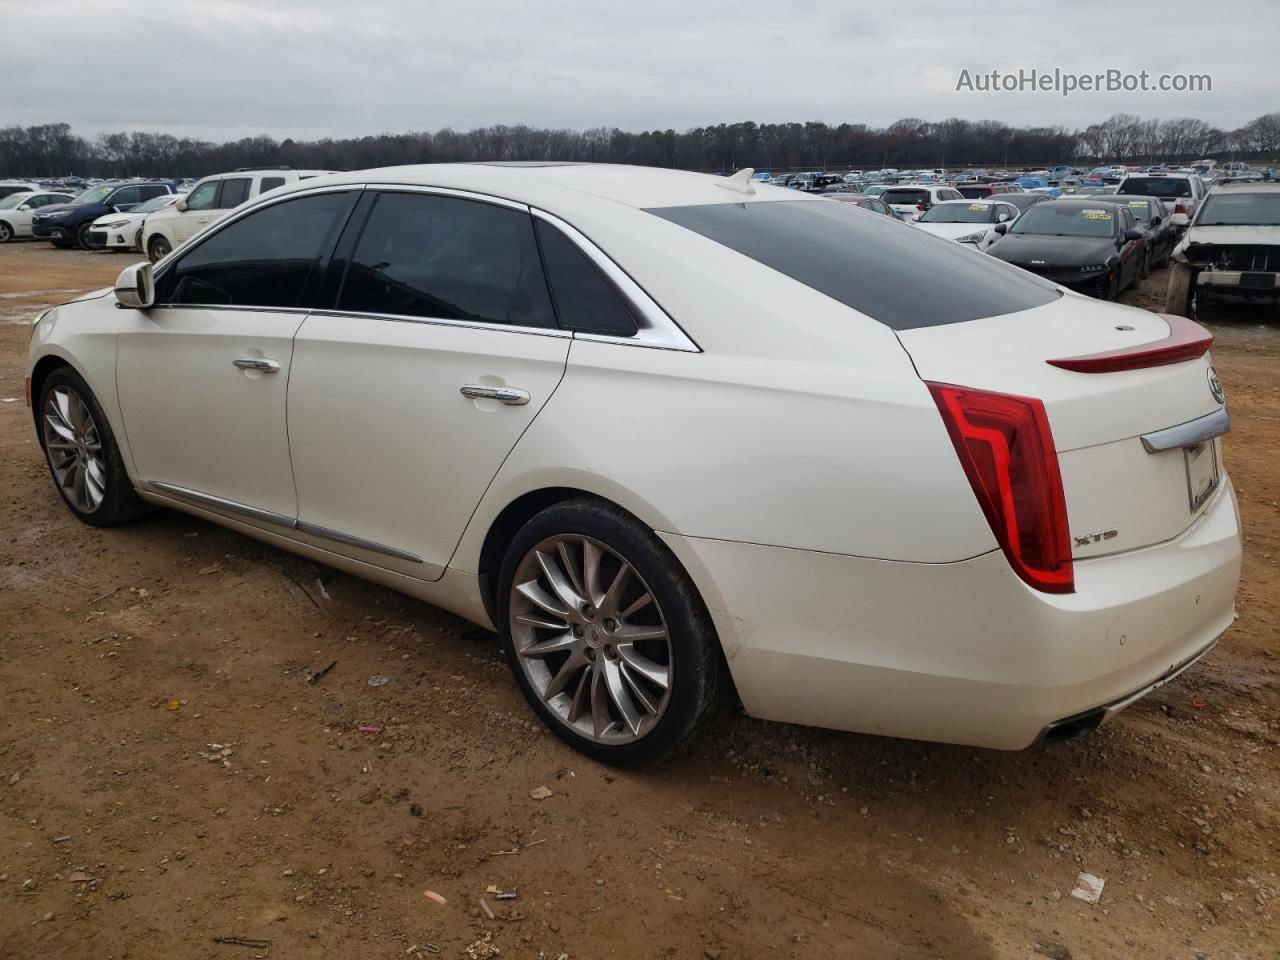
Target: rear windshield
[(1075, 220), (900, 276), (960, 213), (975, 193), (1157, 186), (905, 196)]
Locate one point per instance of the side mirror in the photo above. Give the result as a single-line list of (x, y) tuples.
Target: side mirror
[(180, 204), (1133, 233), (25, 206), (1001, 228), (915, 217), (134, 288)]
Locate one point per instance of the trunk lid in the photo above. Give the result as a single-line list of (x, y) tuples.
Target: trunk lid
[(1119, 496)]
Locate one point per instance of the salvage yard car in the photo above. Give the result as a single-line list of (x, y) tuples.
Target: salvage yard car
[(1181, 191), (17, 209), (973, 222), (1231, 252), (1078, 243), (68, 224), (1152, 218), (667, 433)]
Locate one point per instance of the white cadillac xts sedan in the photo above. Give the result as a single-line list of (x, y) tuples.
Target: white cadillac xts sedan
[(675, 435)]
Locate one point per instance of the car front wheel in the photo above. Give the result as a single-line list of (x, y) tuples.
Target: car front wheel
[(6, 232), (158, 248), (82, 454), (605, 633)]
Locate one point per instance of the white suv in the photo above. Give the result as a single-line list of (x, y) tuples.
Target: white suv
[(1182, 192), (209, 200), (912, 199)]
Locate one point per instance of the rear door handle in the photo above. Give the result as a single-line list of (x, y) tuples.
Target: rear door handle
[(511, 396), (257, 363)]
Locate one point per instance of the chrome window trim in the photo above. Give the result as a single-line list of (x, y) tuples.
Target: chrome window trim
[(277, 519), (657, 329), (449, 192), (1189, 434), (444, 322)]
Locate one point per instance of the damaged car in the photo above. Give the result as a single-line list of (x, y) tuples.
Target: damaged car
[(1230, 252)]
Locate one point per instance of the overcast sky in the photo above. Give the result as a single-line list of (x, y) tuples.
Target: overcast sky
[(222, 69)]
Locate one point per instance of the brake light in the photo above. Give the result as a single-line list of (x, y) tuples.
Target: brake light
[(1180, 208), (924, 206), (1006, 448)]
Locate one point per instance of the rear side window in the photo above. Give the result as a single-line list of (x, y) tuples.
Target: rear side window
[(422, 255), (270, 183), (584, 299), (152, 190), (262, 260), (868, 263), (234, 192)]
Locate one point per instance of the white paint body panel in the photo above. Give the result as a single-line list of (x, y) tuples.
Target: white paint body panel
[(795, 464)]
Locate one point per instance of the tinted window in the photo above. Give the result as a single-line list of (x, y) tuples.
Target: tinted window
[(270, 183), (868, 263), (125, 195), (153, 190), (975, 193), (905, 196), (262, 260), (234, 192), (1157, 186), (584, 299), (421, 255), (203, 196)]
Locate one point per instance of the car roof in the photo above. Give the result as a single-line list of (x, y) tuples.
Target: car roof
[(1246, 186)]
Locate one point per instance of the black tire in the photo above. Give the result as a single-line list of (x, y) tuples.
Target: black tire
[(158, 248), (695, 668), (120, 503), (1177, 298), (1145, 270), (82, 236), (6, 232), (1110, 288)]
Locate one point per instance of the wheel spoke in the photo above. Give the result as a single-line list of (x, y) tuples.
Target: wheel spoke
[(566, 641), (571, 568), (655, 673), (620, 695), (541, 598), (559, 582), (630, 632), (560, 681), (78, 485), (539, 620), (591, 572), (601, 720), (637, 689), (62, 404), (638, 604), (609, 602), (580, 696), (60, 427)]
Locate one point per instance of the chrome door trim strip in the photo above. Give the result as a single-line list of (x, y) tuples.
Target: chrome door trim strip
[(277, 519), (220, 503), (1190, 433), (316, 530), (445, 322), (657, 328)]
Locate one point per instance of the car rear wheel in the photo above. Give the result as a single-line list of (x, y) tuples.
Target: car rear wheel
[(6, 232), (605, 633), (158, 248), (82, 454)]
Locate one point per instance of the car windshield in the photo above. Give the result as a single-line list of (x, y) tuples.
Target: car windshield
[(960, 213), (12, 200), (1158, 186), (1241, 210), (1067, 221), (155, 203), (94, 195), (866, 262)]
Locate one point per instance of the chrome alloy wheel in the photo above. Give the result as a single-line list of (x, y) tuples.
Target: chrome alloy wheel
[(591, 639), (74, 449)]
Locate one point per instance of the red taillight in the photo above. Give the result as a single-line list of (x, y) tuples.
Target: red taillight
[(923, 206), (1006, 448), (1180, 208)]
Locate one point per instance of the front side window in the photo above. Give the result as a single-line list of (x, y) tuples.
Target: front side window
[(234, 192), (423, 255), (584, 298), (262, 260), (203, 196)]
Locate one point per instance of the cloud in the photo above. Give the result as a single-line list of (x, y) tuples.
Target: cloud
[(307, 68)]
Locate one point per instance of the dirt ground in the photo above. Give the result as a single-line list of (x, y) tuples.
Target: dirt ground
[(168, 776)]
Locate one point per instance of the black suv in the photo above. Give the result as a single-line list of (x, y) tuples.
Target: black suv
[(67, 224)]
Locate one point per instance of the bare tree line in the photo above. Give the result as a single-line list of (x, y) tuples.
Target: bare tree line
[(54, 150)]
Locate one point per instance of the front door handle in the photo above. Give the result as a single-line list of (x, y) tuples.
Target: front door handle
[(511, 396), (257, 363)]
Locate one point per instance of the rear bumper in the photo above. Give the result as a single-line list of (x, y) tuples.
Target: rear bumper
[(962, 652)]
